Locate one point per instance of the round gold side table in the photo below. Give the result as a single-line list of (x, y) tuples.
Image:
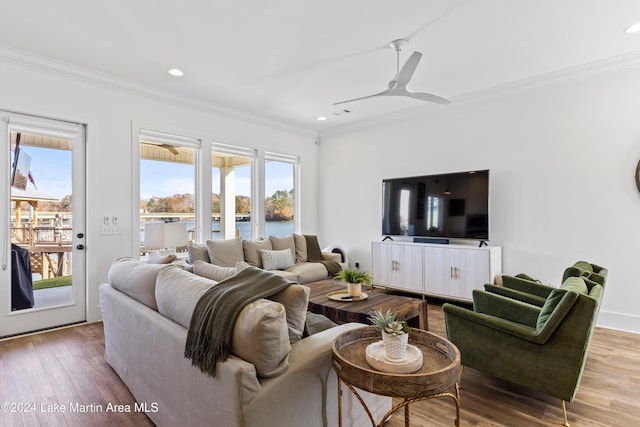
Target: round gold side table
[(436, 378)]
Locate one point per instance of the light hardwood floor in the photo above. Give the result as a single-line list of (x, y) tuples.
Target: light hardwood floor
[(44, 372)]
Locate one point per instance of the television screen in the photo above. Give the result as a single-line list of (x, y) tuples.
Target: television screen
[(452, 205)]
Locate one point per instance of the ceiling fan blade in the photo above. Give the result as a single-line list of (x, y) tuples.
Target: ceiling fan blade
[(408, 69), (428, 97), (383, 93)]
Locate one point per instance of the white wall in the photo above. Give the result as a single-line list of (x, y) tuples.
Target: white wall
[(109, 114), (562, 160)]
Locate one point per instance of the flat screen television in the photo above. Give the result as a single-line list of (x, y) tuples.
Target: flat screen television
[(450, 205)]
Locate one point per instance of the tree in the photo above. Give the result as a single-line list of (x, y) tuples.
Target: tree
[(279, 206)]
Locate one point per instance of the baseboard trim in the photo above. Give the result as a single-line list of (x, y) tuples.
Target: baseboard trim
[(619, 321)]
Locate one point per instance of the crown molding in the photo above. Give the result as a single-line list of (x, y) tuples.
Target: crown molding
[(567, 75), (44, 64)]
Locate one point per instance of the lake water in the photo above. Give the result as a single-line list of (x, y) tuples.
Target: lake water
[(271, 228)]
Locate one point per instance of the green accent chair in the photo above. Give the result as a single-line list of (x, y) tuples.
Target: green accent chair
[(543, 348), (527, 289)]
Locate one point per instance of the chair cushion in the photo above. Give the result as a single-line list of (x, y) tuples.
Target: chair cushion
[(252, 250), (557, 305), (225, 253), (575, 284), (584, 266), (212, 271)]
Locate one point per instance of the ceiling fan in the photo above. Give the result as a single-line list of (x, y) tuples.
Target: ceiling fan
[(398, 86)]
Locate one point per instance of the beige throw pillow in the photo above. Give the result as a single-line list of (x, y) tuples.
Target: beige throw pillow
[(252, 250), (260, 337), (286, 242), (301, 248), (212, 271), (295, 300), (225, 253), (198, 251)]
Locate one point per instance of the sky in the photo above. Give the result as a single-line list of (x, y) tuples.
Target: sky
[(51, 171)]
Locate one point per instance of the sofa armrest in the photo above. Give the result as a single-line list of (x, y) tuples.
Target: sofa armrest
[(505, 308), (331, 256), (311, 370), (472, 319)]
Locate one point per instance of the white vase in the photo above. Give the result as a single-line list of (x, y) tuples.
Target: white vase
[(354, 289), (395, 346)]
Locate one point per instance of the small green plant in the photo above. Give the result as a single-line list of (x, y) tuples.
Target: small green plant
[(354, 276), (388, 322)]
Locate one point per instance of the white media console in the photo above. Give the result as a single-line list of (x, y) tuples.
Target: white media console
[(449, 271)]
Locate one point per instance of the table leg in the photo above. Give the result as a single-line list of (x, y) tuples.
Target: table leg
[(339, 402), (407, 421), (424, 316)]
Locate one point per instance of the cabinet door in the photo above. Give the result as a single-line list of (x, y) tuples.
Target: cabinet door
[(408, 268), (455, 272), (438, 270), (382, 264), (397, 266), (471, 271)]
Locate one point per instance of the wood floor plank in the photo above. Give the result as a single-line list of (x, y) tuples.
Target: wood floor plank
[(67, 366)]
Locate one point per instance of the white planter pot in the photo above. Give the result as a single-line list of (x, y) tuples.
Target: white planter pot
[(354, 289), (395, 346)]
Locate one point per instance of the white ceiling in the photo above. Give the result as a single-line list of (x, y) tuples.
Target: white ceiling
[(290, 60)]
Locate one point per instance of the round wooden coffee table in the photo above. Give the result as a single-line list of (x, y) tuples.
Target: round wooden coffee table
[(436, 378)]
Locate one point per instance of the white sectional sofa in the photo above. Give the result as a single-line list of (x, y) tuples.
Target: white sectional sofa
[(144, 309), (228, 253)]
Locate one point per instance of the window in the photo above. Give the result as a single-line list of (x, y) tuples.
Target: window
[(281, 201), (232, 195), (167, 187)]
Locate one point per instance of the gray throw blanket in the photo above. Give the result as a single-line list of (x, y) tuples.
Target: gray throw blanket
[(214, 317), (315, 255)]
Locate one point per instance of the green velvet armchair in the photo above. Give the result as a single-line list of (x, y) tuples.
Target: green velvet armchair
[(543, 348), (526, 289)]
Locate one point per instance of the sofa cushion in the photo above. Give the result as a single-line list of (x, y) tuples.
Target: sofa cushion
[(295, 300), (301, 248), (284, 242), (178, 292), (225, 253), (136, 279), (198, 252), (309, 272), (212, 271), (260, 337), (277, 260), (252, 250)]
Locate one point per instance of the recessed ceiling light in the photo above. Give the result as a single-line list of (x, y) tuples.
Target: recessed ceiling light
[(633, 29), (176, 72), (322, 118)]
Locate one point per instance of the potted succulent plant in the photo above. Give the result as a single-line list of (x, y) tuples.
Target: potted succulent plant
[(354, 279), (395, 333)]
